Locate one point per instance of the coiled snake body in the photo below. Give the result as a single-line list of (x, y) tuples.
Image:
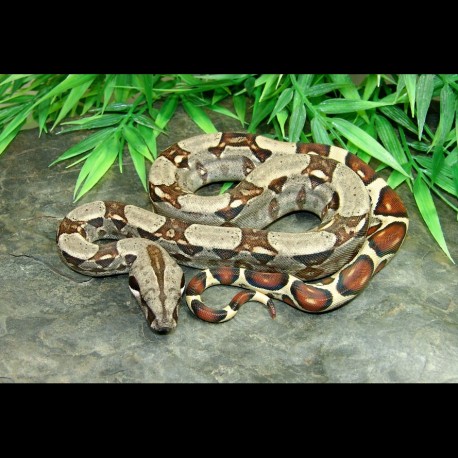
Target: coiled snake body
[(363, 224)]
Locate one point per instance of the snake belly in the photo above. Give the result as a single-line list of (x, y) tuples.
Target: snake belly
[(363, 224)]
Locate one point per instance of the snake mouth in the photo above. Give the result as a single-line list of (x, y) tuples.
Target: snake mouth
[(163, 328)]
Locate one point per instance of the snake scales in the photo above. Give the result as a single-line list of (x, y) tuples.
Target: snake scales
[(363, 225)]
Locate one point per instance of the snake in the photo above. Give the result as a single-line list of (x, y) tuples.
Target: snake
[(363, 223)]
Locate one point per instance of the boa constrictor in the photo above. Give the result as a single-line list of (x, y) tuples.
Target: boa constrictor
[(363, 225)]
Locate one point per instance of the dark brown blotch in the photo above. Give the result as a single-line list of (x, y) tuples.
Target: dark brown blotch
[(206, 313), (177, 155), (68, 226), (71, 259), (273, 209), (333, 204), (197, 284), (248, 166), (318, 148), (389, 239), (389, 204), (311, 298), (319, 164), (96, 222), (354, 278), (364, 171), (224, 254), (253, 238), (226, 275), (267, 280), (314, 258), (276, 185), (115, 210), (202, 171), (263, 258), (169, 193), (301, 198)]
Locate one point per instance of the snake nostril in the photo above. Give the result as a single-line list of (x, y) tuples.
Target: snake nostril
[(163, 330)]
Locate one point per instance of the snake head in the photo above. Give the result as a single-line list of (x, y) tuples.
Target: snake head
[(157, 283)]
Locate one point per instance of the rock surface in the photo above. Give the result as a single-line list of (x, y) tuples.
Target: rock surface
[(59, 326)]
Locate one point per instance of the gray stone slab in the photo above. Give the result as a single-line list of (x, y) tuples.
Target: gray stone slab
[(60, 326)]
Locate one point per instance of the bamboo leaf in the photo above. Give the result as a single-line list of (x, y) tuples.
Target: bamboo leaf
[(368, 144), (395, 179), (451, 161), (120, 151), (8, 113), (297, 118), (260, 111), (239, 102), (18, 99), (189, 79), (149, 138), (411, 87), (223, 110), (285, 97), (122, 87), (118, 107), (69, 82), (389, 139), (419, 146), (455, 179), (282, 116), (42, 111), (166, 112), (318, 90), (456, 123), (447, 115), (262, 79), (339, 106), (268, 87), (225, 186), (15, 77), (9, 138), (428, 212), (147, 122), (85, 145), (400, 85), (369, 86), (146, 83), (349, 90), (89, 102), (221, 77), (93, 122), (72, 99), (135, 140), (399, 117), (438, 163), (304, 81), (17, 121), (218, 95), (319, 132), (110, 82), (444, 178), (96, 165), (424, 94), (138, 160), (199, 117)]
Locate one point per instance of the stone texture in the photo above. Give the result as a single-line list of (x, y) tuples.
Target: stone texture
[(59, 326)]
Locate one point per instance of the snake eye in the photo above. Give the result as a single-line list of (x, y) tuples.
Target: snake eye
[(134, 286), (182, 284)]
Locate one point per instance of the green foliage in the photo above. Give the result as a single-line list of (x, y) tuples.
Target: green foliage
[(385, 117)]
